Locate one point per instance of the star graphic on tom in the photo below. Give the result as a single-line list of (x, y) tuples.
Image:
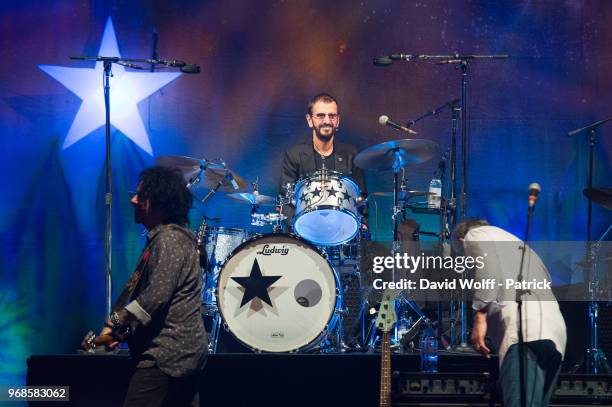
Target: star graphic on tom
[(256, 285), (333, 192)]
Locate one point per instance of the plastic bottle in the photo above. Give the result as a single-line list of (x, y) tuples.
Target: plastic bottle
[(435, 188), (429, 353)]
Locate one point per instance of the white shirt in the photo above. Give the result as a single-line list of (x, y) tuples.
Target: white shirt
[(542, 318)]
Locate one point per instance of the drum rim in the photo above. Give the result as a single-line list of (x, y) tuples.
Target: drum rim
[(317, 174), (337, 304), (336, 208), (224, 228)]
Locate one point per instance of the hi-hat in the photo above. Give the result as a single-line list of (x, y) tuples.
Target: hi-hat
[(396, 154), (210, 173), (601, 196), (252, 198)]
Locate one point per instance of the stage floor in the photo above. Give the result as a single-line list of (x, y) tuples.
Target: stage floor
[(271, 379)]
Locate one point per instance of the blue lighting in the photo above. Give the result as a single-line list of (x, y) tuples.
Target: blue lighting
[(127, 90)]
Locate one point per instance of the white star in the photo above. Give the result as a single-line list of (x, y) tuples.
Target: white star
[(127, 89)]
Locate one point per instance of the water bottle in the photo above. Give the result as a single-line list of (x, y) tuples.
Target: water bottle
[(429, 353), (435, 190)]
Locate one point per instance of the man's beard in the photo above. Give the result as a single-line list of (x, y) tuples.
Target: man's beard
[(325, 137)]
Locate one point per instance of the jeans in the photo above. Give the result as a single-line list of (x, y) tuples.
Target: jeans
[(151, 387), (542, 366)]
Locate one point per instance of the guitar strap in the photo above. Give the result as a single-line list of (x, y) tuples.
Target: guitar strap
[(132, 283)]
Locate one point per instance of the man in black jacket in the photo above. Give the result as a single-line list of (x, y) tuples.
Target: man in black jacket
[(303, 159)]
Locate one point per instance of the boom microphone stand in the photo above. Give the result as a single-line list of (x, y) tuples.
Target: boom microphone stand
[(108, 196), (463, 62)]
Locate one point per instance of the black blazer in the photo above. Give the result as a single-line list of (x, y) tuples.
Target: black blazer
[(299, 161)]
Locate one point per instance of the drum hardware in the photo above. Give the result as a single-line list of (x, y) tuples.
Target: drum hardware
[(395, 155), (404, 195), (253, 198), (202, 173), (326, 208), (460, 116), (595, 359), (406, 326), (600, 196)]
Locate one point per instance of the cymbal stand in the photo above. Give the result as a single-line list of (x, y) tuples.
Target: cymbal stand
[(448, 213), (195, 179), (220, 183), (595, 358)]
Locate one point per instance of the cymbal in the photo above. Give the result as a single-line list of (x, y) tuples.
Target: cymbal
[(404, 195), (251, 198), (601, 196), (396, 154), (213, 172)]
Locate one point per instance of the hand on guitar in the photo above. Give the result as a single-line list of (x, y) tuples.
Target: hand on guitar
[(108, 338)]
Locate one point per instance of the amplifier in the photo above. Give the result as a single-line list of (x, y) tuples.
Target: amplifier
[(418, 388), (480, 389), (596, 388)]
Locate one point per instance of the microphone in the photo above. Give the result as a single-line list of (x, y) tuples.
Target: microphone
[(385, 121), (383, 61), (534, 190), (174, 63), (232, 180), (190, 69), (388, 59)]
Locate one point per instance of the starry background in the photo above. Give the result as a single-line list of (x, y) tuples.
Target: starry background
[(261, 62)]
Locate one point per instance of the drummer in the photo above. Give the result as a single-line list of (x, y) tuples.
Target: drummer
[(324, 151)]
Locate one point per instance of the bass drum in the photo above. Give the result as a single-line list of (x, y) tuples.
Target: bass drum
[(277, 293)]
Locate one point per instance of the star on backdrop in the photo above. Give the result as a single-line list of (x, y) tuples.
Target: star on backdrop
[(256, 285), (127, 89)]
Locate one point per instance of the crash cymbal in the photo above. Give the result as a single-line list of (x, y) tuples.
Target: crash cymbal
[(404, 195), (252, 198), (601, 196), (213, 173), (396, 154)]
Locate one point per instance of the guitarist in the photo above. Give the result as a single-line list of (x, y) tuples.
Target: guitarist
[(158, 312)]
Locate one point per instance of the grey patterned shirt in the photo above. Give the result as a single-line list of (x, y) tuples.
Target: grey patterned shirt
[(166, 302)]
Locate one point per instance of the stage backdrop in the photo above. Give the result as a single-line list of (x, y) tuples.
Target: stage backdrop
[(261, 62)]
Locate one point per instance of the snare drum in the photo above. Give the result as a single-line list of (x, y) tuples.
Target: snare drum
[(326, 208), (276, 293), (218, 242)]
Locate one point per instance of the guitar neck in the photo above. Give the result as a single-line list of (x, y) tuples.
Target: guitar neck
[(385, 370)]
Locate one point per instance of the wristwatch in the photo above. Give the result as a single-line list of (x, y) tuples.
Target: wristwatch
[(115, 321)]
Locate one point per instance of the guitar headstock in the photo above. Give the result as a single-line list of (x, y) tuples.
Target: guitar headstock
[(386, 313)]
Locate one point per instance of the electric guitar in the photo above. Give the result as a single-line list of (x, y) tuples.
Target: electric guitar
[(91, 341), (385, 320)]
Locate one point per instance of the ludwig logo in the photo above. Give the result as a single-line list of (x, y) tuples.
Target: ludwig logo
[(269, 250)]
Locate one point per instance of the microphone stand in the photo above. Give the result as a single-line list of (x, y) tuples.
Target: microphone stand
[(108, 195), (519, 304), (448, 206), (463, 62), (595, 358)]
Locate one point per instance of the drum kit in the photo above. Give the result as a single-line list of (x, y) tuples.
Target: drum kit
[(301, 287)]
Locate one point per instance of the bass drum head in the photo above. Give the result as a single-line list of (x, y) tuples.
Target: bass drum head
[(276, 293)]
